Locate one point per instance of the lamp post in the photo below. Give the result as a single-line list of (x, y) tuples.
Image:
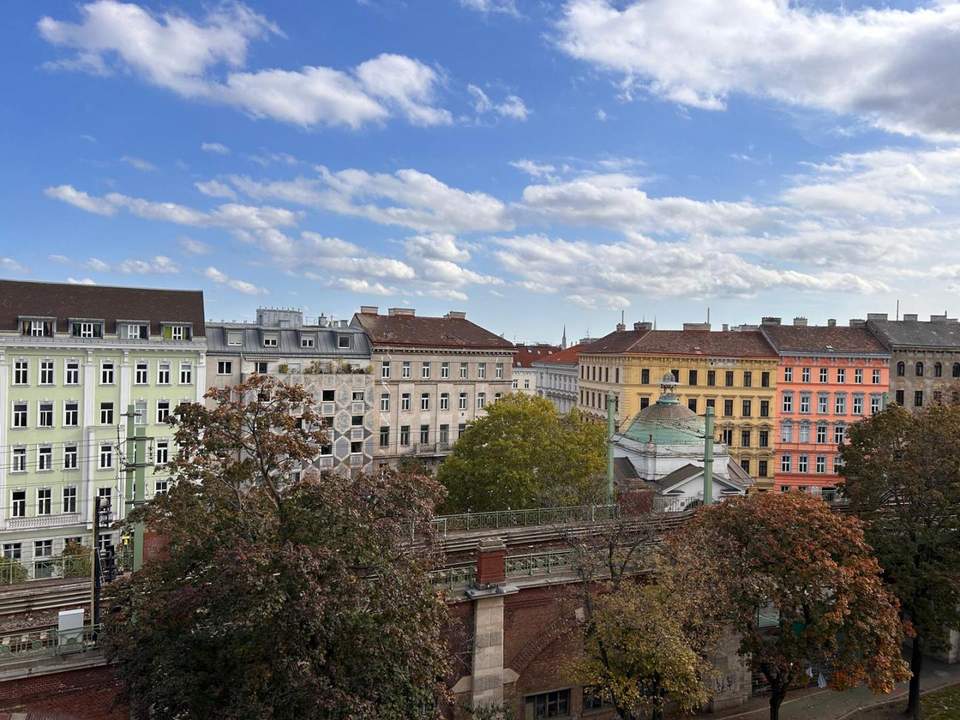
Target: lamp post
[(708, 458)]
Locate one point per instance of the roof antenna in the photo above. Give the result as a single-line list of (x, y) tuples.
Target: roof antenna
[(898, 308), (708, 314)]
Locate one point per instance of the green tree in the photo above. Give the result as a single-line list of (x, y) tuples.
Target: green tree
[(11, 571), (902, 476), (523, 453), (790, 558), (285, 596), (77, 560)]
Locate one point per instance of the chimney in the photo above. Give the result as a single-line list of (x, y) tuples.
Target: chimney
[(726, 327), (641, 326), (369, 309), (909, 317), (938, 318), (768, 320), (799, 322), (453, 315), (401, 311), (876, 316), (696, 326), (832, 322), (621, 327), (857, 322)]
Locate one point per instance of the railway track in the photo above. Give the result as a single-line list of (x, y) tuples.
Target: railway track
[(44, 596)]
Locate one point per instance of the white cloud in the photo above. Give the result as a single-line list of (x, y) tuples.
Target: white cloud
[(81, 281), (193, 247), (329, 246), (77, 198), (535, 169), (441, 246), (215, 148), (365, 287), (160, 264), (8, 264), (98, 265), (241, 286), (886, 65), (505, 7), (512, 106), (215, 188), (59, 259), (138, 163), (204, 59)]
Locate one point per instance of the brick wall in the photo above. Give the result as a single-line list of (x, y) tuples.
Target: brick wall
[(87, 694)]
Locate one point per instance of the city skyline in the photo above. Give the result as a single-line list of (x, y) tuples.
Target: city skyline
[(577, 160)]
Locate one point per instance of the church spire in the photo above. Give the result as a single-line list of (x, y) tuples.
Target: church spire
[(563, 340)]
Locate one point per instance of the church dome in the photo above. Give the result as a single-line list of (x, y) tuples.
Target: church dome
[(667, 422)]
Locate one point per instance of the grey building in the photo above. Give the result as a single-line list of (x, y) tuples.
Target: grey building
[(329, 358), (924, 358)]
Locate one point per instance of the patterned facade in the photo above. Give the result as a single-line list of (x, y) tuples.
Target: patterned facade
[(557, 378)]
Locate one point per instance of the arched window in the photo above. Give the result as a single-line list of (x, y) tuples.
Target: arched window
[(937, 370), (919, 369), (956, 370), (901, 369)]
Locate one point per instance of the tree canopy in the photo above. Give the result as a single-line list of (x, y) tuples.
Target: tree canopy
[(523, 453), (788, 557), (285, 595), (902, 476)]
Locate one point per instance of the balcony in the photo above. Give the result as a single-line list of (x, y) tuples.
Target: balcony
[(43, 521)]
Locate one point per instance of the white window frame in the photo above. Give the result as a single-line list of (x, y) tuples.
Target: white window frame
[(405, 369), (161, 453), (105, 456), (48, 368), (462, 400), (464, 370), (108, 369), (68, 499), (19, 418), (444, 371), (41, 411), (45, 503), (444, 401), (186, 372), (481, 400), (67, 411), (18, 459), (385, 369), (110, 409), (18, 508), (498, 371), (425, 371), (163, 368), (405, 401), (384, 402), (21, 371), (44, 458), (224, 367), (162, 412), (71, 367), (71, 457), (481, 371), (424, 401)]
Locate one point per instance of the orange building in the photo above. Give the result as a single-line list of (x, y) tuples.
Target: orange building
[(828, 378)]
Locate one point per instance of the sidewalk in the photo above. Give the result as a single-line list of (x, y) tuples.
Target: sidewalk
[(815, 704)]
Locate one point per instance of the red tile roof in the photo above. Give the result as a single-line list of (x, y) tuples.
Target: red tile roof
[(413, 331), (619, 341), (564, 357), (823, 339), (99, 302), (741, 343), (527, 354)]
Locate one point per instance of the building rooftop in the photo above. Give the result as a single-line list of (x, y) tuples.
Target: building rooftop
[(528, 354), (290, 341), (666, 422), (939, 332), (99, 302), (401, 327), (569, 356), (620, 340), (823, 340)]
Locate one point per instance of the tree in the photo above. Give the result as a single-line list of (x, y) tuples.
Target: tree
[(789, 557), (523, 453), (284, 596), (77, 560), (902, 476)]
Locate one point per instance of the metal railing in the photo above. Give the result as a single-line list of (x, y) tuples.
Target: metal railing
[(48, 642), (545, 563), (445, 524), (681, 503), (455, 576), (14, 571)]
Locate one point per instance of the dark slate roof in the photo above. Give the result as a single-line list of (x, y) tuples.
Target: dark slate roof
[(679, 475), (823, 340), (740, 343), (98, 302), (619, 341), (325, 341), (430, 332), (916, 333), (623, 470)]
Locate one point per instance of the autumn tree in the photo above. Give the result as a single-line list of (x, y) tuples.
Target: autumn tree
[(285, 595), (789, 558), (523, 453), (640, 649), (902, 477)]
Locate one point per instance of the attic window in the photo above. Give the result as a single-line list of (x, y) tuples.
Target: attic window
[(234, 338), (343, 341), (37, 327), (270, 341), (87, 328), (307, 341)]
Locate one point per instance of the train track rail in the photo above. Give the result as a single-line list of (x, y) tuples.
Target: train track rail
[(46, 597)]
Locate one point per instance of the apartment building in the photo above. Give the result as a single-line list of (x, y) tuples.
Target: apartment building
[(72, 358), (329, 358), (432, 376), (732, 371), (828, 378), (524, 374), (924, 358), (558, 378)]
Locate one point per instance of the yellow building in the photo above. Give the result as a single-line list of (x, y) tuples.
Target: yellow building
[(734, 372)]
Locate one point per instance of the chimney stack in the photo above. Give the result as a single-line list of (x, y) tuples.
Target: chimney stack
[(769, 320), (641, 326), (909, 317), (369, 309), (696, 326), (454, 315), (401, 311), (799, 322), (832, 322)]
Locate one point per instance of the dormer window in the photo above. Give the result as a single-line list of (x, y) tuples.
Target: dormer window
[(177, 332), (234, 338), (86, 328), (270, 341), (37, 327), (343, 342), (307, 341), (136, 331)]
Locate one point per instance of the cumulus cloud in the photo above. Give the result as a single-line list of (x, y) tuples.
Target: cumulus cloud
[(157, 265), (204, 59), (512, 106), (241, 286), (193, 247), (441, 246), (886, 65), (81, 281), (504, 7), (138, 163), (215, 148), (80, 199), (215, 188), (8, 264)]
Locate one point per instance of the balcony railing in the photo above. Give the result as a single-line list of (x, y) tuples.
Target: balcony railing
[(523, 518), (47, 643), (43, 521), (13, 572)]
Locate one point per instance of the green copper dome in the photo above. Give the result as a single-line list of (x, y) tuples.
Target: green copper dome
[(666, 422)]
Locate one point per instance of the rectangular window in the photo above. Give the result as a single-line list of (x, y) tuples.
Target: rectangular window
[(161, 486), (802, 464), (179, 332), (840, 404), (821, 464), (841, 375), (747, 408), (12, 551), (823, 403), (106, 456), (42, 548), (405, 369), (764, 408), (918, 398), (728, 408), (328, 395), (21, 372), (45, 415), (69, 500), (444, 401), (824, 375), (46, 372), (425, 371), (70, 457), (728, 378), (163, 373), (645, 376), (787, 402), (384, 436), (463, 371), (162, 453), (762, 468), (481, 370), (555, 704), (224, 367), (711, 378), (140, 373), (858, 404), (899, 398), (785, 463), (444, 370), (106, 373), (786, 432), (343, 342), (692, 377), (481, 400), (726, 436), (384, 402), (765, 379), (744, 438), (747, 378), (44, 458), (821, 433), (692, 404), (424, 434), (86, 329), (356, 420), (20, 414), (106, 413), (44, 501), (461, 428), (163, 411), (498, 371), (463, 401), (764, 438), (875, 402), (19, 503), (804, 402), (405, 401), (804, 432), (876, 377), (745, 464), (788, 374), (234, 338), (71, 373), (805, 375), (404, 435), (385, 369), (270, 341), (424, 401), (839, 433), (858, 376), (444, 436), (19, 463), (307, 341), (186, 373)]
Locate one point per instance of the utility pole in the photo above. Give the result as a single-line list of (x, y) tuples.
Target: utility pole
[(708, 458), (95, 565), (135, 476), (611, 430)]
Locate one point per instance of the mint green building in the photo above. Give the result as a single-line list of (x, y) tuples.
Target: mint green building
[(72, 358)]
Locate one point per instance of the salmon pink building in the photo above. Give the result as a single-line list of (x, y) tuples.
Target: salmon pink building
[(829, 377)]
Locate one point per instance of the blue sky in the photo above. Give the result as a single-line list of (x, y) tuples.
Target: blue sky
[(534, 163)]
